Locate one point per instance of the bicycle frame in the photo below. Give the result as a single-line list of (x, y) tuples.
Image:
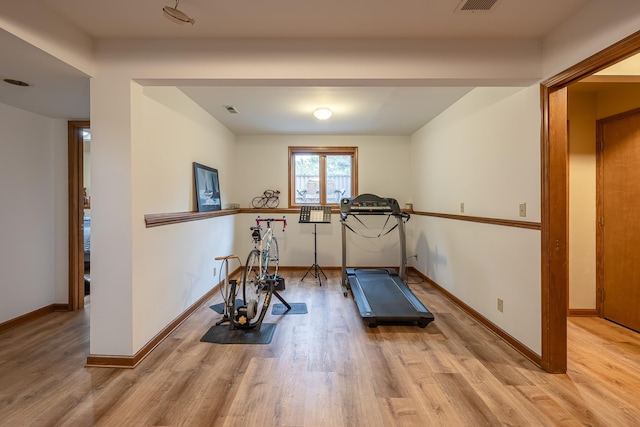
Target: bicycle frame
[(263, 242), (265, 246), (257, 282)]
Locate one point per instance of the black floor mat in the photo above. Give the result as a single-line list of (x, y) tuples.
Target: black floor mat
[(296, 308), (222, 334), (219, 308)]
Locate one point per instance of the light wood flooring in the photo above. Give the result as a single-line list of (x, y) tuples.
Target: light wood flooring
[(325, 368)]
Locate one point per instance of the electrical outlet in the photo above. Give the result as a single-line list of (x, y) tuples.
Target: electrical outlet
[(523, 209), (461, 207), (500, 305), (215, 270)]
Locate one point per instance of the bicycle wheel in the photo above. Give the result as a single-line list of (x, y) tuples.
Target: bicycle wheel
[(273, 202), (274, 259), (258, 202), (254, 291), (231, 300)]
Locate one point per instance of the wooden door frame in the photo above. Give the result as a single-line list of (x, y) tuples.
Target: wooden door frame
[(76, 213), (555, 198)]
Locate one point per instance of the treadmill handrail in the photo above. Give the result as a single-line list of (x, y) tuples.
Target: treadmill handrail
[(370, 204)]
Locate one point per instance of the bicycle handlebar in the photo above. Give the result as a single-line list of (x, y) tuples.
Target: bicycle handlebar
[(270, 220)]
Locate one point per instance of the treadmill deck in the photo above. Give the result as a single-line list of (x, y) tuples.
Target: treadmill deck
[(382, 296)]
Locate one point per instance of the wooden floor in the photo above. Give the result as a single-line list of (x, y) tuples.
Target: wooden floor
[(325, 368)]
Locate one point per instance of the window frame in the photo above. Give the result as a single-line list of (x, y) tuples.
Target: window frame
[(323, 152)]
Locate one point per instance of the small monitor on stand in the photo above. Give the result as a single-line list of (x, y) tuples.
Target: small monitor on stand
[(315, 215)]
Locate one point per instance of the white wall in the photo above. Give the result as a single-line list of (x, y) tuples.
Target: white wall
[(337, 62), (296, 243), (480, 263), (111, 217), (382, 164), (382, 170), (171, 267), (483, 151), (33, 265)]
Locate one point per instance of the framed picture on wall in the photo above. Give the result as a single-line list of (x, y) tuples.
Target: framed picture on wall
[(207, 188)]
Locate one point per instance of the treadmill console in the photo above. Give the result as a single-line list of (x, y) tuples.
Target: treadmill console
[(369, 204)]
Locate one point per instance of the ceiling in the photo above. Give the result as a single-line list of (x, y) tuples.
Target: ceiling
[(59, 91), (304, 19)]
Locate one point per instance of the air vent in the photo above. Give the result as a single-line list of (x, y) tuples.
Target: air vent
[(231, 109), (476, 5)]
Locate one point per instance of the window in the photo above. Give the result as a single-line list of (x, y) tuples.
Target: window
[(322, 175)]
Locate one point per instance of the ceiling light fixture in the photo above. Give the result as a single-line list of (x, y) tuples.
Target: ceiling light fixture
[(177, 16), (322, 113), (16, 82)]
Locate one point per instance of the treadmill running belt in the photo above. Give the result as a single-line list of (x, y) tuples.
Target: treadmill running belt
[(384, 296)]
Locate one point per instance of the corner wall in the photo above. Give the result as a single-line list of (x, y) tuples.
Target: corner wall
[(173, 265), (167, 268), (33, 267), (43, 28)]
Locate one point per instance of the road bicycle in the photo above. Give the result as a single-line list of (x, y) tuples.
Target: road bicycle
[(269, 199), (259, 278)]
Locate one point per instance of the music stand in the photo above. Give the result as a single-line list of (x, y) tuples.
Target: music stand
[(315, 215)]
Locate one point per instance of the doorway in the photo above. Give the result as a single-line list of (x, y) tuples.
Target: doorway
[(79, 201), (618, 237), (554, 173)]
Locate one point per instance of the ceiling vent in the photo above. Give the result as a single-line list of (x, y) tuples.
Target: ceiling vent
[(476, 5), (231, 109)]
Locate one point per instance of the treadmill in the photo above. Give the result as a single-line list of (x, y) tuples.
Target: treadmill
[(381, 294)]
